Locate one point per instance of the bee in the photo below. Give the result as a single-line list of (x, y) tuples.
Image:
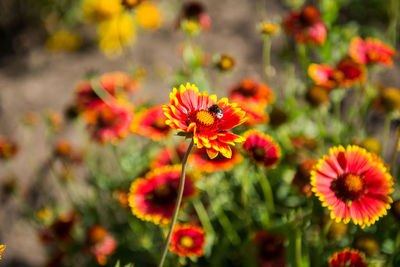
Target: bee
[(216, 111)]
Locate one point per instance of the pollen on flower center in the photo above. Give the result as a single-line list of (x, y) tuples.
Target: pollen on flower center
[(349, 187), (205, 117), (186, 241)]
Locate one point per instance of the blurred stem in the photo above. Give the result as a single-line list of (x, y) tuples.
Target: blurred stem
[(267, 191), (244, 191), (394, 9), (394, 156), (203, 216), (302, 53), (386, 132), (395, 249), (226, 224), (266, 57), (298, 247), (177, 204)]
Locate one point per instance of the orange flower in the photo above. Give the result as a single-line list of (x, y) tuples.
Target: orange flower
[(270, 249), (200, 160), (346, 74), (153, 198), (353, 184), (168, 156), (371, 50), (206, 119), (306, 26), (262, 148), (253, 98), (151, 123), (2, 248), (100, 243), (109, 122), (349, 258), (8, 148), (187, 240)]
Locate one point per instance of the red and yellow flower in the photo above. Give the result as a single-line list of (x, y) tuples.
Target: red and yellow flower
[(270, 249), (187, 240), (346, 74), (100, 243), (2, 248), (169, 156), (349, 258), (371, 50), (253, 98), (354, 184), (195, 12), (306, 26), (109, 122), (206, 119), (262, 148), (200, 160), (151, 123), (153, 198)]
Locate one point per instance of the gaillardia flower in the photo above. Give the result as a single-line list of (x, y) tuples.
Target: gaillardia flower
[(100, 243), (2, 248), (200, 160), (348, 258), (153, 198), (187, 240), (109, 122), (151, 123), (353, 184), (346, 74), (206, 119), (270, 249), (262, 148), (306, 26), (148, 15), (371, 50), (253, 98)]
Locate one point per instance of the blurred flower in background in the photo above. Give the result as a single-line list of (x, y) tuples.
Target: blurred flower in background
[(270, 249), (100, 10), (151, 123), (148, 15), (153, 198), (348, 257), (100, 243), (8, 148), (63, 41), (187, 240), (200, 160), (371, 51)]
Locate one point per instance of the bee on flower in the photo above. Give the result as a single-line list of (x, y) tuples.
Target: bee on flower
[(205, 119)]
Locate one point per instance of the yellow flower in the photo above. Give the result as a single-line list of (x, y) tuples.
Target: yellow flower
[(100, 10), (116, 33), (148, 15), (63, 41), (268, 28), (2, 248)]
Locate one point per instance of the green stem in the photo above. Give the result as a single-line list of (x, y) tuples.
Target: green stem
[(177, 204), (395, 249), (226, 224), (386, 132), (267, 191), (394, 156), (266, 58), (203, 216), (298, 248)]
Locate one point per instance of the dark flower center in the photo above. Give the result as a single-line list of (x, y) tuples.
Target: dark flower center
[(258, 153), (349, 187), (309, 16), (107, 118), (160, 125), (163, 194)]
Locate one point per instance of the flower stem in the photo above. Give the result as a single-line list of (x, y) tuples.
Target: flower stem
[(266, 58), (298, 247), (386, 132), (394, 155), (177, 204), (267, 191)]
